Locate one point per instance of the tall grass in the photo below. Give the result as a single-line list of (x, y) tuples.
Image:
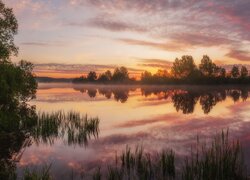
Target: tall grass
[(220, 160), (139, 165), (43, 174)]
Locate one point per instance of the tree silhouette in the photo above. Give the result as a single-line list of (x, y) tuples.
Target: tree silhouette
[(222, 72), (105, 77), (16, 80), (92, 76), (243, 72), (120, 74), (8, 28), (235, 72), (207, 67), (183, 67)]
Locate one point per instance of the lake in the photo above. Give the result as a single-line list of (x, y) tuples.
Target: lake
[(155, 117)]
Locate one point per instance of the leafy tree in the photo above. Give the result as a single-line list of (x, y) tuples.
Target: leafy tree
[(162, 73), (106, 76), (207, 67), (235, 72), (16, 81), (243, 72), (8, 28), (146, 76), (222, 72), (183, 67), (92, 76), (120, 74)]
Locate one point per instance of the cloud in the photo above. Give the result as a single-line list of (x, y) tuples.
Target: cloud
[(239, 55), (77, 68), (71, 68), (156, 63), (43, 44), (114, 25), (200, 39), (163, 46)]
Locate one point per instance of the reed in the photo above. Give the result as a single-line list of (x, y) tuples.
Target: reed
[(222, 159), (34, 174)]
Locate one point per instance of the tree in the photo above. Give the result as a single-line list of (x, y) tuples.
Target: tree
[(17, 82), (207, 67), (183, 67), (243, 72), (8, 28), (235, 72), (92, 76), (106, 76), (120, 74), (162, 73), (222, 72)]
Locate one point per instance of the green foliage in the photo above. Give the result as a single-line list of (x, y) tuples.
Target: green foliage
[(17, 83), (15, 124), (8, 28)]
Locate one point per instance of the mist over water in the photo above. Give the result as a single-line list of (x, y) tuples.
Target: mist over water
[(156, 117)]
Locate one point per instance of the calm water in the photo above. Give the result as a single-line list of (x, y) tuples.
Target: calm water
[(155, 117)]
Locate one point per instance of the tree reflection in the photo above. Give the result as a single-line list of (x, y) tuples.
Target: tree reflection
[(16, 123), (121, 95), (209, 100), (184, 98), (105, 92), (185, 102), (234, 94), (244, 94), (92, 93)]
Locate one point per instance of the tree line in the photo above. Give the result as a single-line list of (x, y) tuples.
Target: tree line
[(120, 75), (183, 71)]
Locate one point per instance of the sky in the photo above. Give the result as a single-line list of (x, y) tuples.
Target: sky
[(67, 38)]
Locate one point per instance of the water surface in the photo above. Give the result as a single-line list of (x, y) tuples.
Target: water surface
[(155, 117)]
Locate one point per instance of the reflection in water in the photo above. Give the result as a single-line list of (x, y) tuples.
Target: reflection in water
[(70, 127), (146, 117), (16, 122), (20, 126), (184, 99)]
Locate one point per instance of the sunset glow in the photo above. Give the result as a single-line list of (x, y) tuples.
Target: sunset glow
[(138, 34)]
